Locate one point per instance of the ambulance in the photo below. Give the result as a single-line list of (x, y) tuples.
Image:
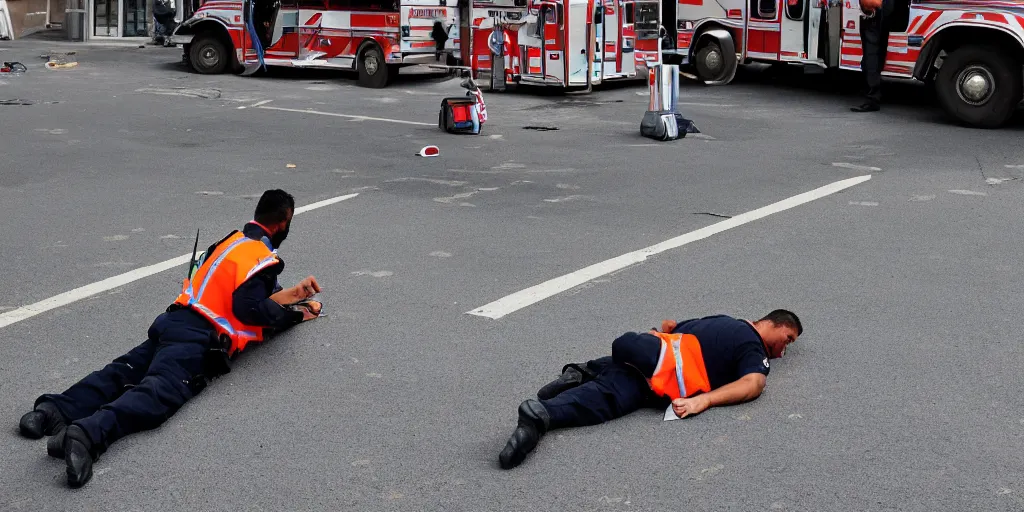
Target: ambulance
[(970, 51), (372, 37), (569, 44)]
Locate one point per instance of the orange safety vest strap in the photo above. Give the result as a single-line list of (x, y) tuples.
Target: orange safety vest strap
[(680, 371)]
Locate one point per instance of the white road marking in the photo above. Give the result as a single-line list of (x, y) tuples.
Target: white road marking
[(967, 192), (110, 283), (537, 293), (348, 116), (260, 103), (325, 202), (862, 168), (997, 181)]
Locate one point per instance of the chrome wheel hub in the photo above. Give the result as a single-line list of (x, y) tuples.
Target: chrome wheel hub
[(975, 85)]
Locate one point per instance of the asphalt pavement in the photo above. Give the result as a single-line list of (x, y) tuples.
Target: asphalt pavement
[(903, 393)]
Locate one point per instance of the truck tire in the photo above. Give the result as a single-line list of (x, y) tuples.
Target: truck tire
[(714, 65), (980, 86), (373, 70), (208, 55)]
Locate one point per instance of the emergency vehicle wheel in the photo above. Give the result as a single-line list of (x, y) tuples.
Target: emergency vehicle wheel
[(207, 55), (980, 86), (373, 70), (712, 64)]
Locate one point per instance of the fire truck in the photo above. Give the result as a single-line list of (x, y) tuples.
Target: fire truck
[(372, 37), (571, 44), (970, 51)]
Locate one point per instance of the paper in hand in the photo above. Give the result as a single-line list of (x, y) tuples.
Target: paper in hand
[(670, 414)]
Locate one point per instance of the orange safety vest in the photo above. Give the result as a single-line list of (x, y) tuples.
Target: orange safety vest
[(232, 262), (680, 361)]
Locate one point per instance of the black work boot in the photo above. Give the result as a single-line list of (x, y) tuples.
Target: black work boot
[(78, 456), (44, 420), (869, 106), (55, 444), (571, 377), (533, 423)]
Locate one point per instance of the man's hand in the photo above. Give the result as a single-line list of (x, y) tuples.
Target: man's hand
[(684, 407), (307, 288)]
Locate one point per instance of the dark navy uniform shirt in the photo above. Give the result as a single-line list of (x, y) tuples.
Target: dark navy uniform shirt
[(731, 347)]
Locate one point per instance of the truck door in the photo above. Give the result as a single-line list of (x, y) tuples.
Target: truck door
[(599, 38), (465, 34), (264, 27), (648, 32), (824, 20), (608, 44), (578, 37), (552, 43), (627, 62), (794, 42), (762, 32), (284, 43)]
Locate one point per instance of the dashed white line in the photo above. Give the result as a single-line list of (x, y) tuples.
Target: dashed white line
[(348, 116), (110, 283), (537, 293), (862, 168)]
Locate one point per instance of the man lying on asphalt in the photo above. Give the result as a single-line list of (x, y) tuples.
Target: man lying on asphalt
[(692, 365)]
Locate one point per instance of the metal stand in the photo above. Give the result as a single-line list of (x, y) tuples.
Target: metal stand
[(662, 121)]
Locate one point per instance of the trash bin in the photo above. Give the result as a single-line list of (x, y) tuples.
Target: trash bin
[(74, 20)]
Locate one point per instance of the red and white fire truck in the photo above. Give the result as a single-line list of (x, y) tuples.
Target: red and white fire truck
[(572, 44), (373, 37), (971, 51)]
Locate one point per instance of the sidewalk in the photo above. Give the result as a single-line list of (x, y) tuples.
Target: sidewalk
[(58, 37)]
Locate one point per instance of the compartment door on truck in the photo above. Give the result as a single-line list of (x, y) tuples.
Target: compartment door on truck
[(285, 41), (794, 24), (762, 32), (577, 46), (608, 41), (552, 45), (627, 59)]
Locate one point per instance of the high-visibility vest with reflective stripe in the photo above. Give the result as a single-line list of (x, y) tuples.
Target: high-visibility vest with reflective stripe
[(209, 292), (680, 371)]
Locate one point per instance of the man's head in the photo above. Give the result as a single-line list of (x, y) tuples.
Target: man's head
[(274, 212), (778, 329)]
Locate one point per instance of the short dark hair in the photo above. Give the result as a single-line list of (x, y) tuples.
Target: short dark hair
[(784, 318), (274, 206)]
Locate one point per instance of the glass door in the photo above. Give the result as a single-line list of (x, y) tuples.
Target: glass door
[(136, 22), (105, 16)]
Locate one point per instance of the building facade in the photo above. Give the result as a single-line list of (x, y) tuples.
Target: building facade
[(104, 19)]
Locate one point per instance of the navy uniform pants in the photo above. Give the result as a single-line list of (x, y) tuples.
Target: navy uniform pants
[(619, 388), (141, 389), (874, 37)]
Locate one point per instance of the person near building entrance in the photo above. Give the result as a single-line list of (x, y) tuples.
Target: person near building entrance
[(230, 301), (874, 36), (690, 365)]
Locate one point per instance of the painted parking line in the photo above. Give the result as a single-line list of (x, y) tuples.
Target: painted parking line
[(110, 283), (521, 299), (348, 116)]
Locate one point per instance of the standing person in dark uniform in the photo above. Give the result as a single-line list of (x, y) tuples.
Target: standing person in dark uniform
[(874, 37), (692, 365), (227, 303)]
